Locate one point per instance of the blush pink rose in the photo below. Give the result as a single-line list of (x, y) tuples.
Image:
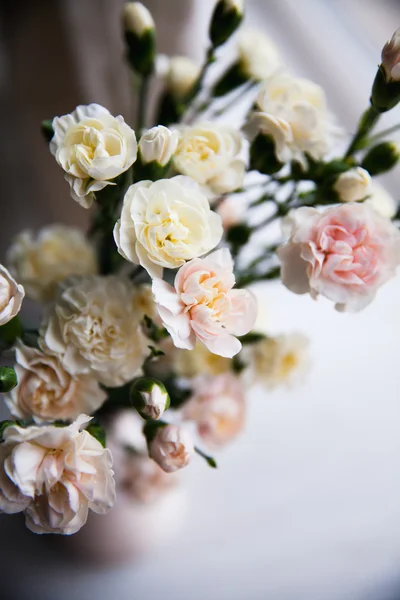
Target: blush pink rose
[(344, 253), (218, 408), (203, 305)]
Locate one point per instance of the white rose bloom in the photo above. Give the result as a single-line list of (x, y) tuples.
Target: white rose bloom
[(172, 448), (259, 58), (182, 74), (165, 223), (55, 475), (92, 147), (47, 392), (209, 154), (381, 200), (280, 360), (11, 296), (353, 185), (158, 144), (41, 262), (137, 18), (95, 327), (293, 111)]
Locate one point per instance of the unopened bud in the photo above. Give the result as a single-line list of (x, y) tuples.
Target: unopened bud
[(263, 155), (157, 147), (381, 158), (227, 16), (150, 398), (8, 379), (139, 31), (353, 185), (171, 447)]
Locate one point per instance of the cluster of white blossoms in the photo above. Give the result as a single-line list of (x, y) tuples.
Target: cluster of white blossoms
[(148, 337)]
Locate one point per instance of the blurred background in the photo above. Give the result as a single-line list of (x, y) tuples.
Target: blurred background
[(306, 504)]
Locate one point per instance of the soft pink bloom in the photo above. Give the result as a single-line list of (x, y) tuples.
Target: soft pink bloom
[(218, 408), (391, 57), (203, 305), (172, 448), (344, 253)]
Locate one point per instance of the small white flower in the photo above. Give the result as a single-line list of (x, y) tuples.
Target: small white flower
[(95, 327), (171, 448), (391, 57), (293, 111), (165, 223), (158, 145), (199, 361), (11, 296), (182, 74), (353, 185), (209, 154), (41, 262), (280, 360), (55, 475), (137, 18), (93, 148), (47, 392), (381, 201), (259, 58)]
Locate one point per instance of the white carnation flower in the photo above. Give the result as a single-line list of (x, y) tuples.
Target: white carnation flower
[(55, 475), (41, 262), (95, 327), (259, 58), (209, 154), (47, 392), (92, 147), (165, 223)]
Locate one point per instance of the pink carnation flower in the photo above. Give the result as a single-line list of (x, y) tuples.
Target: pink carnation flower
[(344, 253), (203, 305)]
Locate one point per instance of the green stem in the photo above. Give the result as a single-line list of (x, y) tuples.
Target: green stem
[(142, 105), (366, 123), (250, 278), (209, 459), (192, 97), (375, 138)]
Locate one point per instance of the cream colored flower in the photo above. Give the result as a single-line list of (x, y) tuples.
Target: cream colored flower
[(280, 360), (93, 148), (218, 408), (11, 296), (55, 475), (381, 201), (41, 262), (353, 185), (209, 154), (165, 223), (158, 145), (137, 18), (259, 58), (293, 111), (143, 480), (182, 74), (47, 392), (171, 448), (199, 361), (95, 327)]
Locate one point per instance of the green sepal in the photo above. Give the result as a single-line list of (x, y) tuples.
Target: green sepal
[(170, 109), (233, 78), (3, 427), (9, 333), (8, 379), (97, 431), (46, 127), (381, 158), (263, 156), (385, 94), (141, 51)]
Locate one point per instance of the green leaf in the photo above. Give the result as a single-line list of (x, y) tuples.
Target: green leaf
[(9, 333)]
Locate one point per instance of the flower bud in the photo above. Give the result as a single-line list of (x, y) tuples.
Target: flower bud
[(233, 78), (8, 379), (158, 146), (353, 185), (391, 58), (150, 398), (139, 31), (227, 16), (171, 448), (181, 77), (381, 158), (263, 155)]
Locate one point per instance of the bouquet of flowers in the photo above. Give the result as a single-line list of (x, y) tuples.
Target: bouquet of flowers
[(148, 335)]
